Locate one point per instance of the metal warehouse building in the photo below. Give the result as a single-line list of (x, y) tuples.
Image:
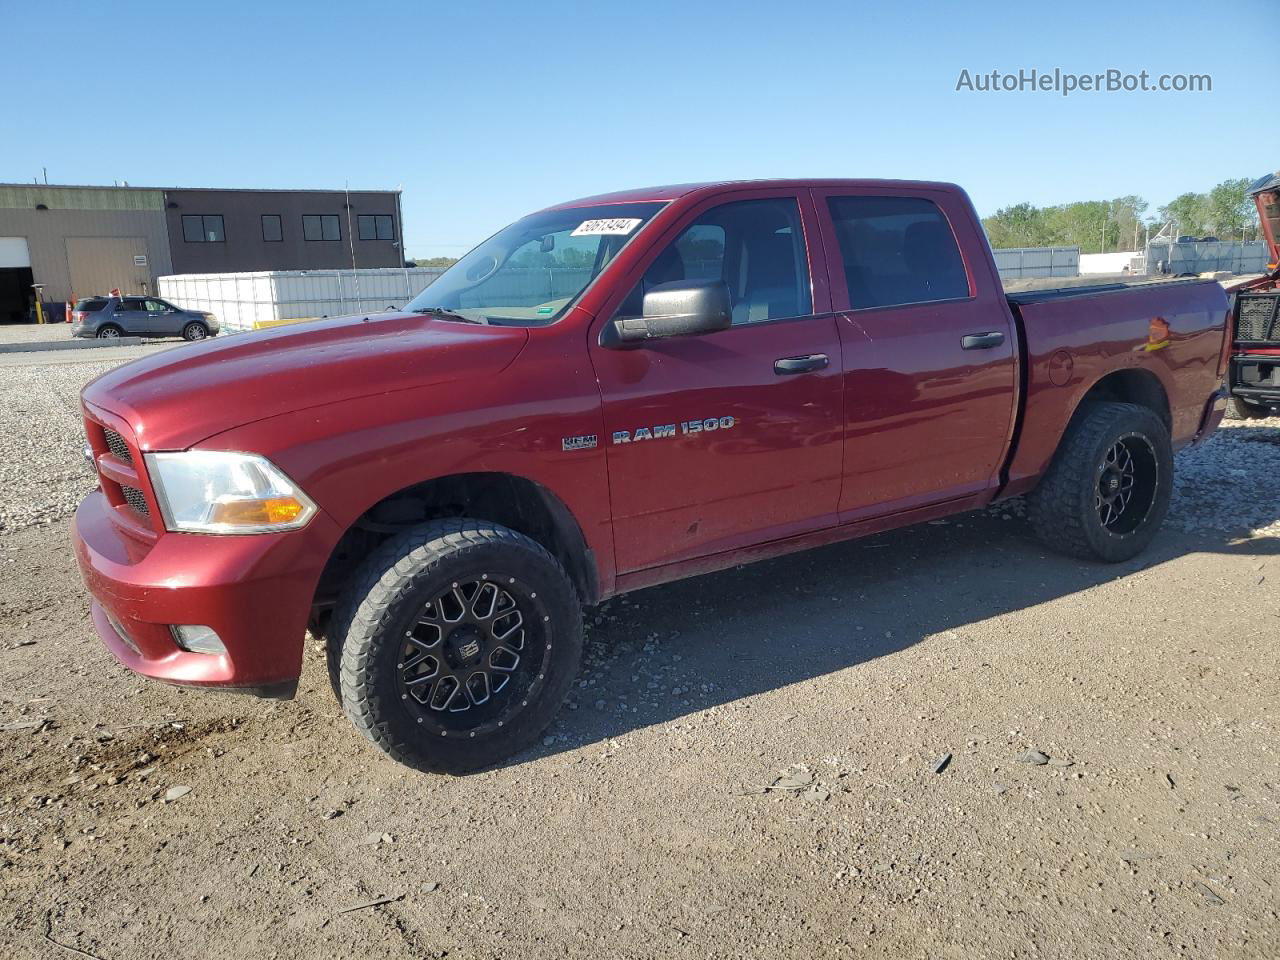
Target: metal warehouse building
[(79, 241)]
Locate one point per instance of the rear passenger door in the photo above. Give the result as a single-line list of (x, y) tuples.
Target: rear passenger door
[(928, 349)]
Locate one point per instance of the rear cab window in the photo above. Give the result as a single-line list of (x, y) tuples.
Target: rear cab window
[(897, 251)]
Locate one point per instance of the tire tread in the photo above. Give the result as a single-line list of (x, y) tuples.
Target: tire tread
[(383, 579)]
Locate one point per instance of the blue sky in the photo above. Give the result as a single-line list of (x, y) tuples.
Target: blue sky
[(483, 112)]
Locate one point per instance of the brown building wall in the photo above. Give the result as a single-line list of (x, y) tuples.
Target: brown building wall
[(244, 247)]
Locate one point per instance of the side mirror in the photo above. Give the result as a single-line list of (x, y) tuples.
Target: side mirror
[(681, 308)]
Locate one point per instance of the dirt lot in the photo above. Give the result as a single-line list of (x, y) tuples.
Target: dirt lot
[(139, 821)]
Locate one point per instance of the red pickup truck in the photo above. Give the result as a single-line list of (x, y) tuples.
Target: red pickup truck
[(1254, 374), (606, 395)]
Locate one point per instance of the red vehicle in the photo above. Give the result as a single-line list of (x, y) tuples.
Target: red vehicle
[(609, 394), (1254, 375)]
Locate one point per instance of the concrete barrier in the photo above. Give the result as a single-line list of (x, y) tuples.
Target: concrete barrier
[(38, 346)]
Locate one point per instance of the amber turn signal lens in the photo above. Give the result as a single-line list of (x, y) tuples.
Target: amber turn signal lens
[(253, 513)]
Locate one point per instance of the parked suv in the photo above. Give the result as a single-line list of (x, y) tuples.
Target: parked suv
[(108, 318)]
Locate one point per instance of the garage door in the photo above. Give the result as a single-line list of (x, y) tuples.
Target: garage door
[(14, 253), (101, 264)]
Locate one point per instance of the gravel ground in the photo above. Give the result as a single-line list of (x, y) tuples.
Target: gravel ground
[(746, 767), (33, 332)]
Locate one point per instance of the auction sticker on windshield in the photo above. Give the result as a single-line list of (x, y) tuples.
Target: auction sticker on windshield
[(616, 227)]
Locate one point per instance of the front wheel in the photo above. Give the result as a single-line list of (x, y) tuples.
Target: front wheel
[(1107, 490), (458, 641), (195, 330)]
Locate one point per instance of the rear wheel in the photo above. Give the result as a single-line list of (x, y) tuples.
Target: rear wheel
[(1238, 409), (109, 332), (1107, 490), (456, 644), (195, 330)]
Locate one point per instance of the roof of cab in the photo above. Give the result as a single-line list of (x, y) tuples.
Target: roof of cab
[(676, 190)]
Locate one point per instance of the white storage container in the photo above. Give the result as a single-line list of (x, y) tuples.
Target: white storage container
[(246, 301)]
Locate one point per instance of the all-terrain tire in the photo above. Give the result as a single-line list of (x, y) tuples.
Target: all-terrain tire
[(386, 602), (1238, 409), (1065, 509)]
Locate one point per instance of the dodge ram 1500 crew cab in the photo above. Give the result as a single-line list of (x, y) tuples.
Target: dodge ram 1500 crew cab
[(605, 395)]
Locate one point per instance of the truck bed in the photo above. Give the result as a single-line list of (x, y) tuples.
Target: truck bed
[(1166, 335), (1060, 290)]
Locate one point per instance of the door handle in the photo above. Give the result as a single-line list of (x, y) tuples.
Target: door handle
[(981, 341), (789, 365)]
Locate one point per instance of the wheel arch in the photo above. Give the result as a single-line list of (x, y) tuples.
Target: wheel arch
[(1132, 385), (512, 501)]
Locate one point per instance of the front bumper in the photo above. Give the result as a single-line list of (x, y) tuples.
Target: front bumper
[(255, 591)]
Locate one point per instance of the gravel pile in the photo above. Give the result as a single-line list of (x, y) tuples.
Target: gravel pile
[(43, 473), (1227, 484)]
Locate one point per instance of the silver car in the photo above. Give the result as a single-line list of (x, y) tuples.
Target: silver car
[(109, 318)]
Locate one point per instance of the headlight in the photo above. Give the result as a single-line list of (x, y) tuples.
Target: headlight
[(208, 491)]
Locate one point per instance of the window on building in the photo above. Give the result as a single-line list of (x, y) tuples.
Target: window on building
[(897, 250), (272, 229), (376, 226), (755, 246), (321, 226), (203, 228)]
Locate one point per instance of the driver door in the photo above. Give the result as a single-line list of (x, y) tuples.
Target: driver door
[(163, 320), (722, 440)]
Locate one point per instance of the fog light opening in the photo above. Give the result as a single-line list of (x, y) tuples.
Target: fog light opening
[(123, 634), (195, 638)]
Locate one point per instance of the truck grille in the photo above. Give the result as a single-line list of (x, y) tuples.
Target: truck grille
[(120, 476), (119, 449), (133, 496), (1258, 318)]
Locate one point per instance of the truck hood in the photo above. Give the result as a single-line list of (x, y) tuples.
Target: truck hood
[(177, 398)]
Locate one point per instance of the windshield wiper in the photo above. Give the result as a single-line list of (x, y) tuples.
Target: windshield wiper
[(444, 314)]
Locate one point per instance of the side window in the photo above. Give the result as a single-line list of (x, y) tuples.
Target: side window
[(755, 246), (897, 250), (131, 306), (323, 226), (157, 306)]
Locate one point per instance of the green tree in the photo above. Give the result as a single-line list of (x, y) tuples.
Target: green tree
[(1189, 213), (435, 261), (1232, 214), (1021, 225)]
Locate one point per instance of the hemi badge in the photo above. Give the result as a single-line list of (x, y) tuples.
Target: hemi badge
[(587, 442)]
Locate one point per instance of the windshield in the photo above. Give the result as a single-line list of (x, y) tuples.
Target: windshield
[(533, 270)]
